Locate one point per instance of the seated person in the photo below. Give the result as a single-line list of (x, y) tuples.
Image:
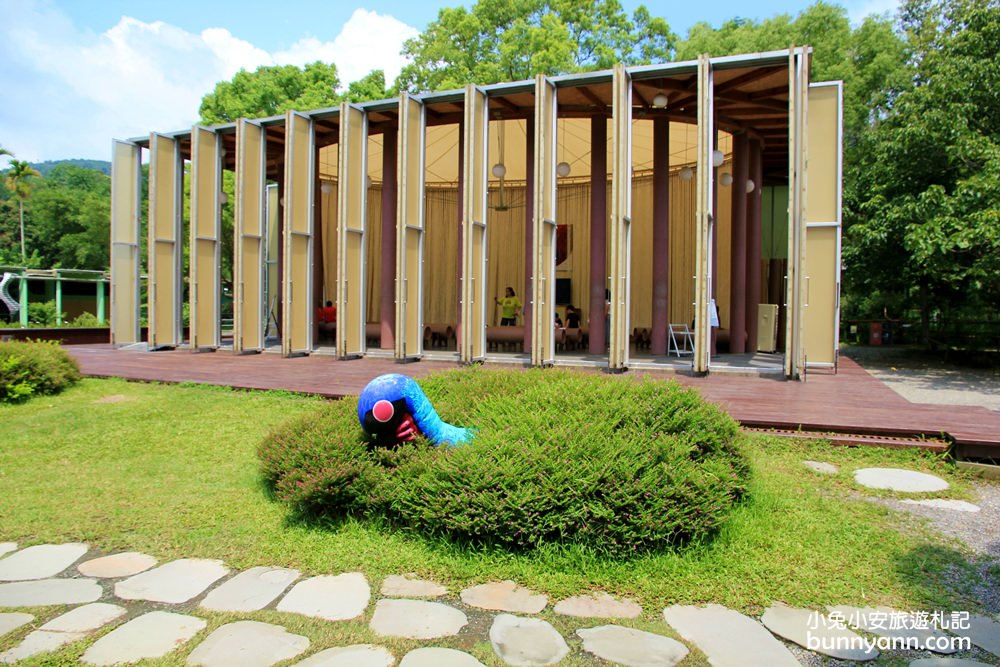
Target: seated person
[(327, 318), (559, 321), (573, 316)]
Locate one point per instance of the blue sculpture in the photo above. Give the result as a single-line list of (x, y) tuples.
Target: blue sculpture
[(393, 408)]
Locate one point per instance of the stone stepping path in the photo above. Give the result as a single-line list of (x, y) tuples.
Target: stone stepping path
[(71, 627), (632, 648), (439, 657), (897, 479), (416, 619), (816, 632), (821, 467), (504, 596), (40, 562), (729, 638), (175, 582), (526, 642), (407, 586), (116, 565), (598, 605), (248, 644), (725, 636), (944, 504), (151, 635), (335, 598), (7, 547), (359, 655), (251, 590), (47, 592)]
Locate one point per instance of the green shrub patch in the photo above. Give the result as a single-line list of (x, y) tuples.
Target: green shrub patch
[(618, 465), (28, 368)]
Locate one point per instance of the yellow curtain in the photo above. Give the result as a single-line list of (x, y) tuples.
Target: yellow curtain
[(441, 256)]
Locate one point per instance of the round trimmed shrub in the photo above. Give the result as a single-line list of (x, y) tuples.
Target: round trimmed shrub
[(28, 368), (619, 465)]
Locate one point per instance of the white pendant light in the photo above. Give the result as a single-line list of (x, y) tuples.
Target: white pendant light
[(717, 158), (750, 186), (660, 101), (223, 198), (563, 169), (326, 187), (499, 170), (726, 179), (686, 173)]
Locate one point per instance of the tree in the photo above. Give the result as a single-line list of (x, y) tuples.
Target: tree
[(512, 40), (269, 91), (19, 181), (923, 202), (71, 212)]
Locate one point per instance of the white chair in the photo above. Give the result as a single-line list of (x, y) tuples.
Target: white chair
[(681, 340)]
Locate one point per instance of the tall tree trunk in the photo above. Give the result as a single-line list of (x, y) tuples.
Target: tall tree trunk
[(20, 204)]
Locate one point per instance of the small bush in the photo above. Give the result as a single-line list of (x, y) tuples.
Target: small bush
[(28, 368), (44, 314), (87, 319), (621, 466)]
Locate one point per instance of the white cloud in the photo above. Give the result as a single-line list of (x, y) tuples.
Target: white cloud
[(68, 92), (857, 10)]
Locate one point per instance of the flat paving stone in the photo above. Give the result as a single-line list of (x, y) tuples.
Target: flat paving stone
[(7, 547), (897, 479), (13, 620), (335, 598), (526, 642), (47, 592), (631, 647), (598, 605), (116, 565), (728, 638), (947, 662), (504, 596), (70, 627), (40, 561), (944, 504), (250, 590), (248, 644), (408, 586), (174, 582), (438, 657), (359, 655), (984, 632), (814, 631), (151, 635), (880, 621), (416, 619), (821, 466)]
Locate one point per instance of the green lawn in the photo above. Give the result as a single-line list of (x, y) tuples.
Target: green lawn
[(172, 471)]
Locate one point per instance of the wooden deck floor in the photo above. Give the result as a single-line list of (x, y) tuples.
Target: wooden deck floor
[(852, 401)]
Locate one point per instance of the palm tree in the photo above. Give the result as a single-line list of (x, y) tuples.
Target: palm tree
[(17, 180)]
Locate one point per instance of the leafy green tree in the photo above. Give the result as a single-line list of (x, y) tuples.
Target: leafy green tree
[(271, 90), (371, 87), (19, 181), (71, 214), (511, 40), (923, 200)]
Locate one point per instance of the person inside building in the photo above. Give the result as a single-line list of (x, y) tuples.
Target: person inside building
[(510, 305), (327, 317)]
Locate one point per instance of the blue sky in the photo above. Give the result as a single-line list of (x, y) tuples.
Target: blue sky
[(75, 74)]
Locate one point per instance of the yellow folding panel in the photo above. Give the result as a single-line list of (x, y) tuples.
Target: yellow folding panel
[(544, 224), (125, 214), (823, 225), (473, 343), (410, 229), (204, 284), (352, 202), (705, 222), (300, 175), (248, 251), (165, 188), (621, 217), (798, 84)]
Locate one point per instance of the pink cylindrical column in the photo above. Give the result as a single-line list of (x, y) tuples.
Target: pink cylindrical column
[(387, 303), (753, 243), (529, 217), (738, 246), (598, 230), (661, 233)]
